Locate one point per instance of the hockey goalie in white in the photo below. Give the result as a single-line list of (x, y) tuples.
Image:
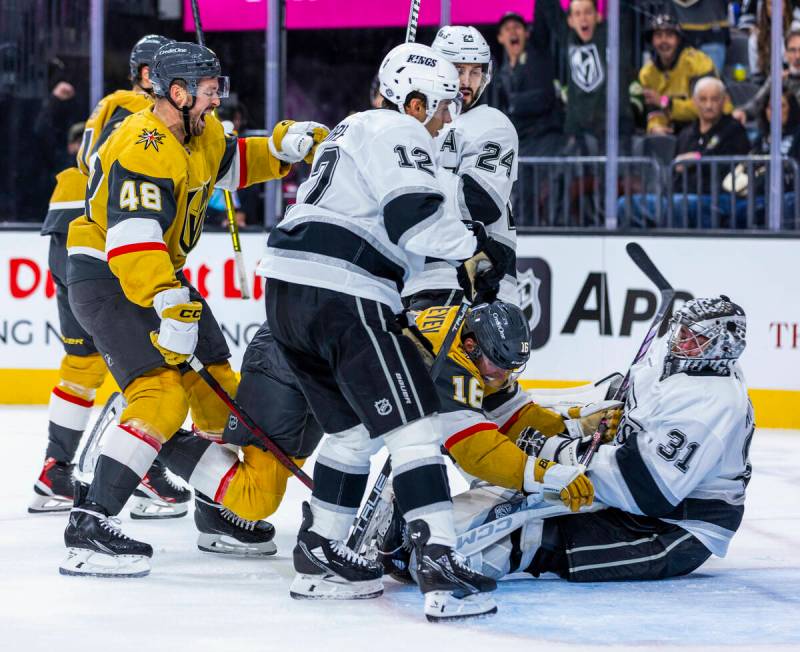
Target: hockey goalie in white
[(673, 481)]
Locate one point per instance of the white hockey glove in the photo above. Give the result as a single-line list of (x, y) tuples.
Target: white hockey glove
[(176, 338), (564, 449), (573, 488), (585, 419), (293, 142)]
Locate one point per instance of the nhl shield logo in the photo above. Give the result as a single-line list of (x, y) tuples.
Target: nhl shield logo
[(534, 281), (586, 67), (528, 289), (383, 407)]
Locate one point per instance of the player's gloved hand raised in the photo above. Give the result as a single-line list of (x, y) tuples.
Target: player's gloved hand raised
[(293, 142), (176, 338), (585, 419), (572, 486), (480, 276)]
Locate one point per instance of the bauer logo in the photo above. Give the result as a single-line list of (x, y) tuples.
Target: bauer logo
[(534, 281), (383, 407)]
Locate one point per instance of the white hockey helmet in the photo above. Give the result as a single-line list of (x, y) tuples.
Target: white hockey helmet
[(460, 44), (415, 67)]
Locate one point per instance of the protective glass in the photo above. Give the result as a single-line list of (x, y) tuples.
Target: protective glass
[(206, 88)]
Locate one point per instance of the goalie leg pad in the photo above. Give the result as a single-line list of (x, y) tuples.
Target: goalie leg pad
[(209, 413)]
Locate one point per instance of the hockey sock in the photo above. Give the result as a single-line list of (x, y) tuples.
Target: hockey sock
[(69, 414), (206, 466), (340, 479), (127, 454), (420, 478)]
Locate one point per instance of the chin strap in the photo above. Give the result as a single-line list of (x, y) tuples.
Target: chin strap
[(185, 113)]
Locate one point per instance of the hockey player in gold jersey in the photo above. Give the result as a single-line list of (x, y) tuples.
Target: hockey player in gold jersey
[(82, 370), (148, 190), (483, 411)]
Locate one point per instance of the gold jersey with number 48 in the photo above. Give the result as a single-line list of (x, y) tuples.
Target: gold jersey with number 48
[(147, 199)]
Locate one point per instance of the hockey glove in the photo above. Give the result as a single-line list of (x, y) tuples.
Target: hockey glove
[(572, 486), (293, 142), (585, 419), (176, 338), (480, 276)]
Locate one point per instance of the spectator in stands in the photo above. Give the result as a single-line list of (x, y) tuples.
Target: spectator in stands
[(523, 89), (583, 37), (695, 202), (761, 36), (667, 80), (705, 27), (791, 82)]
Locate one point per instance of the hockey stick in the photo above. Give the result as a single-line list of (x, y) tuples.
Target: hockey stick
[(649, 269), (91, 449), (251, 425), (366, 516), (233, 227)]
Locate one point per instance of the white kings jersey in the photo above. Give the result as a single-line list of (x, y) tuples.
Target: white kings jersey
[(681, 452), (369, 214), (478, 151)]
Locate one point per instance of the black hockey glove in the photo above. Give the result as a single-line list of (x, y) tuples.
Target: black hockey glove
[(480, 276)]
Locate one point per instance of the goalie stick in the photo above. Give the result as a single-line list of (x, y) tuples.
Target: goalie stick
[(643, 262), (233, 227), (91, 449), (249, 423)]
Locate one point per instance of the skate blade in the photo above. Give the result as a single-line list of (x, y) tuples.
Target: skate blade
[(331, 587), (224, 545), (151, 509), (80, 561), (49, 504), (443, 606)]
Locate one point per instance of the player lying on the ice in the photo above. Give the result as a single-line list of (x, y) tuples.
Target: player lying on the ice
[(673, 480)]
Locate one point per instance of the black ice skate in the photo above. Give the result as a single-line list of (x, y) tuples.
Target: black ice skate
[(394, 547), (452, 590), (329, 570), (53, 488), (224, 532), (96, 545), (158, 496)]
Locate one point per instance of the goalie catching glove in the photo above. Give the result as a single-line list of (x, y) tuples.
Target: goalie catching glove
[(572, 486), (479, 277), (292, 142), (176, 338)]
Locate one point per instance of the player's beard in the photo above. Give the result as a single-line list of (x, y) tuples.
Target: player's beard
[(198, 124), (469, 96)]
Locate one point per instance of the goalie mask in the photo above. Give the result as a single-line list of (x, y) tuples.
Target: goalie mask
[(414, 67), (706, 336), (459, 44), (501, 333)]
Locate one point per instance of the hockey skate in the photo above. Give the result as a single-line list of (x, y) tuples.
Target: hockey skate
[(394, 546), (223, 532), (53, 488), (96, 546), (452, 590), (329, 570), (158, 496)]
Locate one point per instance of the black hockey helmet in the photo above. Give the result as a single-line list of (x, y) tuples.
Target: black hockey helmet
[(662, 22), (501, 332), (189, 62), (143, 52)]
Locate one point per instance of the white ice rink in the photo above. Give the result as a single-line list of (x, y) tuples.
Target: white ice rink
[(198, 601)]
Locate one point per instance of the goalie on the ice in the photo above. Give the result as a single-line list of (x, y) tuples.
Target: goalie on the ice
[(670, 486)]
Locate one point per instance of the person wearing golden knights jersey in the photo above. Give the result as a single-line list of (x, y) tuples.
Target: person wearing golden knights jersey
[(83, 370), (146, 200)]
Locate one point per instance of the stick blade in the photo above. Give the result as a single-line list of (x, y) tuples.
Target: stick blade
[(643, 262)]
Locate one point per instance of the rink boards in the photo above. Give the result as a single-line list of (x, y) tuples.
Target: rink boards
[(588, 305)]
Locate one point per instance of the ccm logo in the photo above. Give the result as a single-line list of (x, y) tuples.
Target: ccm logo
[(189, 313)]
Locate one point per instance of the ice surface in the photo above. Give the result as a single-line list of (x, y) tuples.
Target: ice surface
[(198, 601)]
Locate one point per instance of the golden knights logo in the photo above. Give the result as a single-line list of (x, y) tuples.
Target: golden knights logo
[(151, 137), (196, 205)]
